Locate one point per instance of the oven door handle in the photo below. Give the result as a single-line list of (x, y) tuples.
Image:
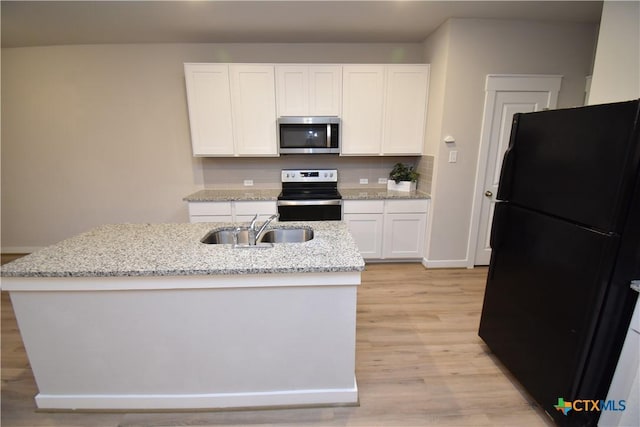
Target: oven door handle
[(309, 202)]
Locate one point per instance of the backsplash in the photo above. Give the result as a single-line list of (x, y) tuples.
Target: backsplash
[(224, 173), (425, 169)]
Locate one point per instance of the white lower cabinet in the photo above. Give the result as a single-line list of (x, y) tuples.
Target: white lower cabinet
[(403, 235), (210, 212), (388, 229), (230, 211), (365, 221)]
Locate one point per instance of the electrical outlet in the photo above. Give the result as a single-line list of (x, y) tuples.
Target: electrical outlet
[(382, 180), (248, 182), (364, 181)]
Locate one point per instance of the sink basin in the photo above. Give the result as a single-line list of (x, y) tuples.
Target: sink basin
[(287, 235), (225, 236)]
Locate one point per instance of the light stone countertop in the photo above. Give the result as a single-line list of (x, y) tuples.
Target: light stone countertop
[(118, 250), (377, 193), (213, 195), (348, 193)]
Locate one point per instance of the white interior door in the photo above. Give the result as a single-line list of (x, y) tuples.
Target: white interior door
[(516, 94)]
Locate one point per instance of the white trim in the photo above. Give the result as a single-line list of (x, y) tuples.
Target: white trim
[(199, 401), (27, 284), (501, 83), (523, 82), (20, 249), (446, 263)]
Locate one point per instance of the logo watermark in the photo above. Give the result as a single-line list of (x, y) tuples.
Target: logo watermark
[(584, 405)]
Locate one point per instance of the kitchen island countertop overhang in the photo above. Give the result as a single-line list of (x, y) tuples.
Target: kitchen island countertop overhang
[(146, 317), (124, 250)]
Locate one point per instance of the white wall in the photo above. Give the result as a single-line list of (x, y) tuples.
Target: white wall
[(99, 134), (476, 48), (616, 71)]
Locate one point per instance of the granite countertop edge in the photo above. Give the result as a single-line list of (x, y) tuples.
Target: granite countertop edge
[(178, 273), (348, 193), (154, 250)]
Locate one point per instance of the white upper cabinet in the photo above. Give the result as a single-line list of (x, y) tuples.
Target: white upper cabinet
[(362, 109), (253, 103), (384, 109), (209, 103), (232, 109), (309, 90), (405, 109)]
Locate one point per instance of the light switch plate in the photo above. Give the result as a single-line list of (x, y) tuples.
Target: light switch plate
[(364, 181), (382, 180), (248, 182), (453, 156)]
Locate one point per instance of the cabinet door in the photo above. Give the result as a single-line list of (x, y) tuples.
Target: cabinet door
[(209, 103), (292, 84), (404, 235), (254, 109), (362, 109), (210, 212), (366, 230), (325, 90), (405, 109)]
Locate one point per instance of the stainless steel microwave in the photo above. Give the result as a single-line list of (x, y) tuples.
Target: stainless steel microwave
[(309, 135)]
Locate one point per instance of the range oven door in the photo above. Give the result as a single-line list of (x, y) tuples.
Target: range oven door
[(310, 210)]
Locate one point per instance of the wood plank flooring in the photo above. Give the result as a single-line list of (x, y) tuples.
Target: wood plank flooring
[(419, 363)]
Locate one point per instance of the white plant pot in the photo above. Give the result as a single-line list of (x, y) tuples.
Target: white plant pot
[(407, 186)]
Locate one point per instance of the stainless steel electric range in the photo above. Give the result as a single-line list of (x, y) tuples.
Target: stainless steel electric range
[(310, 195)]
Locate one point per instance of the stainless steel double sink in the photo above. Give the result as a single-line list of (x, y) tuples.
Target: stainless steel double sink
[(239, 236)]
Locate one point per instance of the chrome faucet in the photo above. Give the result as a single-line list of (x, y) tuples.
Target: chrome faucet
[(255, 235)]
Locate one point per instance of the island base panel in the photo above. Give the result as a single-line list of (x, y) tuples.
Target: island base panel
[(287, 398), (191, 348)]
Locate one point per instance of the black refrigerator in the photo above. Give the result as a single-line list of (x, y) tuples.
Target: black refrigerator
[(565, 245)]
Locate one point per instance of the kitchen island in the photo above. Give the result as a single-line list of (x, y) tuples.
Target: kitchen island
[(146, 317)]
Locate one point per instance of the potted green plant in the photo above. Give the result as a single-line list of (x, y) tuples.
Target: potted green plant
[(402, 178)]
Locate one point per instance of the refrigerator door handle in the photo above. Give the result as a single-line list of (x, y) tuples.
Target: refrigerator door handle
[(499, 218), (506, 174)]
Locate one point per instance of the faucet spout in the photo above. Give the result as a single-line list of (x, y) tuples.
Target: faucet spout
[(262, 229)]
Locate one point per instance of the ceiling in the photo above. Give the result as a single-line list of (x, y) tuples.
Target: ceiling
[(45, 23)]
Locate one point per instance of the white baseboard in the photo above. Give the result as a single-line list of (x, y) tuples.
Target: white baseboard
[(20, 249), (285, 398), (446, 263)]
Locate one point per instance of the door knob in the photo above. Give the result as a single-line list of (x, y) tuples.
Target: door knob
[(488, 193)]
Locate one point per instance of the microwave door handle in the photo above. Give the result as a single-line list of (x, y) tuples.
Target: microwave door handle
[(328, 135)]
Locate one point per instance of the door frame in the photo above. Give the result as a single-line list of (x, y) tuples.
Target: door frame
[(501, 83)]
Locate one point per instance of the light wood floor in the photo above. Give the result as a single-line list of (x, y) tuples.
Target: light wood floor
[(419, 363)]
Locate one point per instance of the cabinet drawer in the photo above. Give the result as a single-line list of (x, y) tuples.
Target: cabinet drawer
[(210, 208), (363, 206), (252, 208), (407, 206), (210, 218)]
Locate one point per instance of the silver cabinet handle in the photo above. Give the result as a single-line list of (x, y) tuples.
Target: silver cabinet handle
[(488, 193)]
